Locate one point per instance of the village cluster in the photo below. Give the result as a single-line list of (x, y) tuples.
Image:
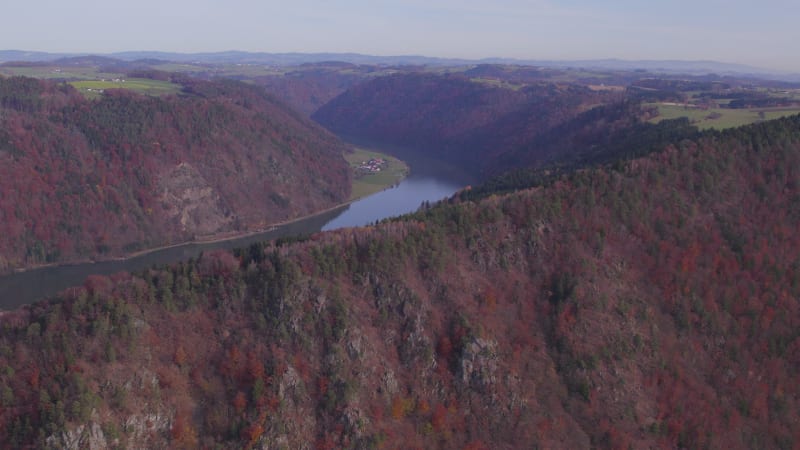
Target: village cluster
[(373, 165)]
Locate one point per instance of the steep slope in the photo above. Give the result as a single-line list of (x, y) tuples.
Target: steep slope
[(465, 121), (126, 172), (308, 87), (650, 306)]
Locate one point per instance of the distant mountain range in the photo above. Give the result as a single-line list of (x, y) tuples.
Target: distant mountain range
[(288, 59)]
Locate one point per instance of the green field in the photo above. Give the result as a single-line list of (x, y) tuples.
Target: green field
[(58, 73), (93, 88), (498, 83), (728, 118), (91, 82), (369, 184), (223, 70)]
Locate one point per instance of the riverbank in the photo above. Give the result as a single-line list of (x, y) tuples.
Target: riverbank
[(363, 186), (374, 171), (428, 181)]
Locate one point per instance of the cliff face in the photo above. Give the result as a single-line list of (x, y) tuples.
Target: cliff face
[(652, 305), (125, 172), (191, 201)]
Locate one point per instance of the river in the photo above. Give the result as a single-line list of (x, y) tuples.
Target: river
[(429, 180)]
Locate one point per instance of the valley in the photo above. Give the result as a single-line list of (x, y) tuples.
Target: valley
[(430, 181), (582, 312), (540, 256)]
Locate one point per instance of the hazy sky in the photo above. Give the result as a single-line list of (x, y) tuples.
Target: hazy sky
[(763, 33)]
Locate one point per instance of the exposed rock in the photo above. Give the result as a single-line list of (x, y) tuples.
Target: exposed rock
[(355, 345), (415, 345), (140, 426), (143, 379), (478, 365), (279, 442), (294, 400), (355, 421), (189, 198), (389, 383), (89, 437), (290, 384)]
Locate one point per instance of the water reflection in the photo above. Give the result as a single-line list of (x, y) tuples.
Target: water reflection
[(402, 199)]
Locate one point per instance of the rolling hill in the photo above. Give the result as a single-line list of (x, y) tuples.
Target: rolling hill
[(126, 172)]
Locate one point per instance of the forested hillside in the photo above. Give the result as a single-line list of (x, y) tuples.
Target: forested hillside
[(308, 87), (650, 304), (127, 172), (479, 125)]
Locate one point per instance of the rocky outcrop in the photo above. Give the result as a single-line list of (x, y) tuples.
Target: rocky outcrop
[(82, 437), (141, 428), (478, 364), (128, 172), (190, 200)]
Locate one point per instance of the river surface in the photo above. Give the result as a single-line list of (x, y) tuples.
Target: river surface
[(429, 180)]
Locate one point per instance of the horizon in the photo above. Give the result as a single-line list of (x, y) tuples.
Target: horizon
[(743, 67), (761, 36)]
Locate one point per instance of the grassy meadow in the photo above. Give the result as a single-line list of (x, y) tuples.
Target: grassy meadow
[(93, 88), (90, 81), (720, 118), (57, 73), (365, 185)]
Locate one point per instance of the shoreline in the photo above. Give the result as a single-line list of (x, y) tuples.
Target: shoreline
[(209, 239)]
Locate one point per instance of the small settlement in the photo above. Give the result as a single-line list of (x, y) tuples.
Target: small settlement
[(373, 165)]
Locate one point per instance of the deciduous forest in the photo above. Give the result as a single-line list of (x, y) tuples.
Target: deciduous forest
[(97, 178), (647, 303)]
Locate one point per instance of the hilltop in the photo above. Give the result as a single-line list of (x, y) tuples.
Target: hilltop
[(648, 304)]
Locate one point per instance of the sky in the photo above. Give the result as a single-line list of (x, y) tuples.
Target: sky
[(762, 33)]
